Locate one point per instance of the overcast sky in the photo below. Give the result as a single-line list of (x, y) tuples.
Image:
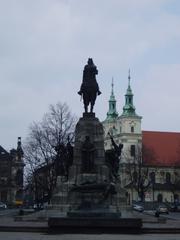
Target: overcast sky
[(44, 45)]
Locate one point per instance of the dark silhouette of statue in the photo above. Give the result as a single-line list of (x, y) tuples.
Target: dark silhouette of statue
[(88, 150), (113, 158), (64, 158), (117, 148), (60, 159), (89, 87)]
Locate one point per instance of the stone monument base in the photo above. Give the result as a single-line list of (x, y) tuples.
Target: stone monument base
[(95, 213), (94, 224)]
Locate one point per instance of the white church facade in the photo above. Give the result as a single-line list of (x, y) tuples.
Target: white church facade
[(161, 168)]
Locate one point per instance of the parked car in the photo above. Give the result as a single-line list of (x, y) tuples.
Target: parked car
[(38, 206), (162, 209), (3, 205), (174, 208), (138, 208)]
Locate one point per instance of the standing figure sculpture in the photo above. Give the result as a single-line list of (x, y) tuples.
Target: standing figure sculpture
[(89, 87), (113, 157), (88, 150), (60, 160), (64, 158)]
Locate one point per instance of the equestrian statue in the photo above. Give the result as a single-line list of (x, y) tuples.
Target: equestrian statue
[(89, 87)]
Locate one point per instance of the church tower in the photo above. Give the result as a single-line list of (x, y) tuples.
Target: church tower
[(110, 122), (17, 173), (129, 124), (125, 129), (112, 113), (129, 109)]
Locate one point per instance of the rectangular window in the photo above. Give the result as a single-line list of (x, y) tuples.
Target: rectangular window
[(132, 150)]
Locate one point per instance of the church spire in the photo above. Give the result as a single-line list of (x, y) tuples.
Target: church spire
[(129, 109), (112, 113), (20, 152), (112, 87), (129, 78)]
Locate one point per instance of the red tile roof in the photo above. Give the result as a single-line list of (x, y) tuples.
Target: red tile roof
[(165, 147)]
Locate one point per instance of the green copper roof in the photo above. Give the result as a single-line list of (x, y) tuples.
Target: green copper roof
[(129, 109), (112, 113)]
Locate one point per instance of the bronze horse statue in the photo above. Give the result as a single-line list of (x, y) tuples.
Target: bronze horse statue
[(89, 87)]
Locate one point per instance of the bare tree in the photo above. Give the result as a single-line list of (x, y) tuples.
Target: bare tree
[(42, 155), (138, 171)]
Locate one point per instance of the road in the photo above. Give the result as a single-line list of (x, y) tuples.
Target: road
[(171, 215), (40, 236), (174, 215), (8, 212)]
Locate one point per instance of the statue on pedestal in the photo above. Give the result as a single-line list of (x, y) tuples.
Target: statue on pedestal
[(89, 87)]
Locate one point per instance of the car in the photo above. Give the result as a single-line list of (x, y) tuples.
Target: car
[(3, 205), (174, 208), (38, 206), (162, 209), (138, 208)]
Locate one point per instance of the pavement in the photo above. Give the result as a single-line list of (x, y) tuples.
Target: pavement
[(37, 222), (43, 236)]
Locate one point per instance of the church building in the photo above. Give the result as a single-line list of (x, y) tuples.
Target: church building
[(153, 155)]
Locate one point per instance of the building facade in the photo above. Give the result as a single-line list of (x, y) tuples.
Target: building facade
[(154, 155), (11, 175)]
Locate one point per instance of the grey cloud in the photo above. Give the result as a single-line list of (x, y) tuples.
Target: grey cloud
[(45, 44)]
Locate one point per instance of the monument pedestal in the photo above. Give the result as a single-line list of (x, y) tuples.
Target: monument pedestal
[(88, 181), (89, 198), (95, 225)]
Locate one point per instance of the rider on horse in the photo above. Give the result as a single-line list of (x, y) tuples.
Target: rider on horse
[(89, 87)]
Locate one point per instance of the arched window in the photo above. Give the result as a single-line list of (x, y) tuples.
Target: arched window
[(160, 197), (132, 129), (152, 177), (168, 177)]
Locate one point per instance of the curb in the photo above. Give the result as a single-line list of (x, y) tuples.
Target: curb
[(160, 230), (23, 229), (47, 230)]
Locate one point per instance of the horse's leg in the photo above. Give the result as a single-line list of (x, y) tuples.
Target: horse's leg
[(92, 105), (85, 102), (93, 99)]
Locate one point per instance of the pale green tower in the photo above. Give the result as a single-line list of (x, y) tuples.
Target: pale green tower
[(112, 113), (129, 124), (129, 109), (110, 122)]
